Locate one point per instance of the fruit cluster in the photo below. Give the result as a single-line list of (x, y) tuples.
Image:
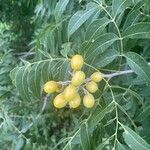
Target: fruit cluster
[(69, 90)]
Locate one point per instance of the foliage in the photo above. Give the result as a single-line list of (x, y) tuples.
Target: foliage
[(111, 35), (19, 16)]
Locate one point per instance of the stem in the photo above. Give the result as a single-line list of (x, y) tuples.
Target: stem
[(84, 90), (24, 53), (71, 138), (113, 20), (64, 82), (117, 73), (116, 112)]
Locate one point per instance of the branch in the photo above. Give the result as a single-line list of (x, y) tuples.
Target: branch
[(24, 53), (117, 73), (64, 82)]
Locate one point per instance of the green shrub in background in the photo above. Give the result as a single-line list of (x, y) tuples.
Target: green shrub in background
[(18, 14), (113, 36)]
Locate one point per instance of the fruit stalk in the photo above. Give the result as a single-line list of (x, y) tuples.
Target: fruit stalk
[(117, 73)]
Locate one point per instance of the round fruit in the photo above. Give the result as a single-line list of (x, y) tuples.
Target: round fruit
[(96, 77), (91, 87), (77, 62), (70, 92), (88, 101), (78, 78), (50, 87), (75, 102), (59, 101)]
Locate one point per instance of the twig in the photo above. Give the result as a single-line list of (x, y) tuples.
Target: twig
[(84, 90), (64, 82), (71, 73), (24, 55), (117, 73)]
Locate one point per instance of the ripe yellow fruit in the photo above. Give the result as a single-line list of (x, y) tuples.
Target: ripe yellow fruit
[(96, 77), (91, 87), (59, 101), (50, 87), (77, 62), (70, 92), (88, 101), (78, 78), (75, 102)]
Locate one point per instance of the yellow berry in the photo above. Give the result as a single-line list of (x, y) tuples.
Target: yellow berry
[(59, 101), (70, 92), (96, 77), (88, 101), (77, 62), (75, 102), (91, 87), (50, 87), (78, 78)]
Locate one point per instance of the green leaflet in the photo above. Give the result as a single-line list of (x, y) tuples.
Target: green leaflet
[(105, 58), (101, 145), (134, 15), (60, 8), (21, 82), (65, 49), (45, 71), (144, 114), (96, 28), (80, 17), (12, 75), (34, 80), (27, 146), (98, 115), (131, 19), (136, 95), (30, 79), (139, 66), (19, 143), (75, 139), (137, 31), (105, 142), (60, 70), (119, 6), (97, 46), (84, 136), (49, 42), (133, 140), (45, 38)]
